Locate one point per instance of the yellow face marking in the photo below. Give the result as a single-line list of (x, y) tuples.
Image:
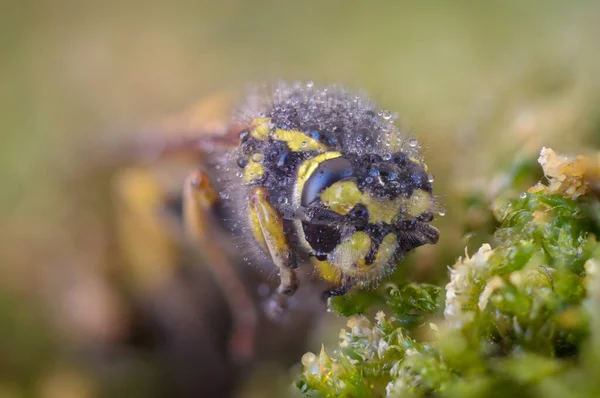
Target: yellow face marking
[(253, 171), (342, 196), (327, 271), (381, 210), (349, 258), (418, 203), (298, 141), (386, 251), (260, 128), (349, 255)]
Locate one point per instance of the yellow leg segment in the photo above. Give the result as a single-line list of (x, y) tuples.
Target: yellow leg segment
[(139, 200), (199, 197), (267, 227)]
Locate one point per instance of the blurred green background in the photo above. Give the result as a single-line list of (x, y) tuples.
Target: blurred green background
[(478, 83)]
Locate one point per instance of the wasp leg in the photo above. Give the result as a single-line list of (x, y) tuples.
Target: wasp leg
[(199, 197), (151, 241), (344, 287), (140, 200), (267, 227)]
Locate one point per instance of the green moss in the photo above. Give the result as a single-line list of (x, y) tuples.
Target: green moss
[(520, 318)]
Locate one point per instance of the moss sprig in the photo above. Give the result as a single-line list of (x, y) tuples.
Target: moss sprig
[(519, 317)]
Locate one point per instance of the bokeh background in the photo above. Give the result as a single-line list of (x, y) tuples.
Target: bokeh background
[(480, 84)]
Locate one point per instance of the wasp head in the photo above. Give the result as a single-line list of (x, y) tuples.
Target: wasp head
[(363, 211)]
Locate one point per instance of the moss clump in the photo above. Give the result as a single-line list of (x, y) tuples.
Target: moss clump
[(520, 318)]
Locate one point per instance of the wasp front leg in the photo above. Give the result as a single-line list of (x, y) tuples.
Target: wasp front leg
[(199, 199), (346, 284), (267, 228)]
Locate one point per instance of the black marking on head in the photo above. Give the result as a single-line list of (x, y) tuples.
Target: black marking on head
[(389, 177), (322, 238), (376, 232), (359, 216)]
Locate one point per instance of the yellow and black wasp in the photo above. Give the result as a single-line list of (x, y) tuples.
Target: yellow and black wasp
[(323, 180), (304, 183)]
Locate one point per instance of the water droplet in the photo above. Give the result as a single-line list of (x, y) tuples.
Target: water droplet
[(387, 157), (413, 143), (304, 144), (523, 195), (239, 174), (282, 200), (369, 180), (258, 157), (244, 135), (442, 212), (242, 162), (430, 177), (387, 115), (224, 195), (309, 84)]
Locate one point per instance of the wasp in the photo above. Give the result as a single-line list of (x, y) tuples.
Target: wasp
[(300, 183)]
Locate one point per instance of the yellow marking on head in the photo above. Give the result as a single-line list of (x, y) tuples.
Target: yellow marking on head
[(253, 171), (349, 255), (327, 271), (342, 196), (418, 203), (348, 258), (298, 141), (260, 128), (385, 252), (381, 210)]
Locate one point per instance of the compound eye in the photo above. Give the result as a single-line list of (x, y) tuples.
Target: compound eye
[(326, 174)]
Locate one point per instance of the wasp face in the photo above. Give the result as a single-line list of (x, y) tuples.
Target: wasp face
[(365, 210)]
